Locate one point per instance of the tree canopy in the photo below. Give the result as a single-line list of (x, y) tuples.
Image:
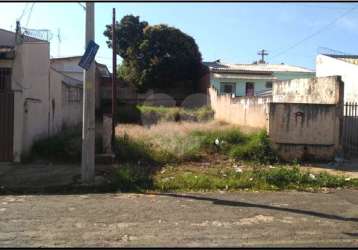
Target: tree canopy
[(155, 56)]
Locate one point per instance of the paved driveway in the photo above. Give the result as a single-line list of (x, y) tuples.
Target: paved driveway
[(190, 220)]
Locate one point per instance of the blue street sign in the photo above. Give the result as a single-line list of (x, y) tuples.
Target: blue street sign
[(89, 55)]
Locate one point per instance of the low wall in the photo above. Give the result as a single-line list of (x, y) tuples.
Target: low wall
[(305, 118), (304, 131), (244, 111), (316, 90)]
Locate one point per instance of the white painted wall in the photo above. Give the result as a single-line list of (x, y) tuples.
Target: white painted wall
[(322, 90), (62, 112), (30, 82), (69, 67), (328, 66)]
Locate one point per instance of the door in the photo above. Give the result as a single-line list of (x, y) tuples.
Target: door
[(250, 89), (6, 115), (350, 130)]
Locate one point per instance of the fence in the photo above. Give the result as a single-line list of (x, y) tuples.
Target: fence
[(350, 129)]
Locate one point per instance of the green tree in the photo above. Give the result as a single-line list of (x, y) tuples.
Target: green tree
[(156, 56), (129, 34)]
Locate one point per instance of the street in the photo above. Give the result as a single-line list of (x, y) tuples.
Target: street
[(188, 220)]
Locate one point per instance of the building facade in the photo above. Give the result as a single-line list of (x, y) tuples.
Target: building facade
[(251, 79), (24, 90), (345, 66), (38, 95)]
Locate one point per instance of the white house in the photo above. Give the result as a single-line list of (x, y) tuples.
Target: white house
[(38, 96), (251, 79), (345, 66), (24, 93), (68, 66)]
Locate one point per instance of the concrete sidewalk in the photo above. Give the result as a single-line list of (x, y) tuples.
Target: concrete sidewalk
[(30, 178), (236, 219), (347, 168)]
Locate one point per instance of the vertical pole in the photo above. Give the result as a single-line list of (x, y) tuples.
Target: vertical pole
[(114, 76), (88, 129)]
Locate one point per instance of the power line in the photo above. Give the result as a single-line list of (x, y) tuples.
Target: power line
[(29, 15), (23, 12), (325, 6), (84, 7), (315, 33)]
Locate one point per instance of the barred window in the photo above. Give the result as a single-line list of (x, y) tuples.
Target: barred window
[(5, 79), (74, 95)]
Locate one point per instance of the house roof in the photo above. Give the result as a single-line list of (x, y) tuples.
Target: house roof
[(259, 68), (102, 68), (65, 58), (353, 59), (7, 52), (7, 38)]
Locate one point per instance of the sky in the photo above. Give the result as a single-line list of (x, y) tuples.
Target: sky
[(292, 33)]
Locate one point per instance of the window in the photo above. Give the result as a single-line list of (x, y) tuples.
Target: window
[(5, 79), (74, 95), (269, 85), (227, 87), (250, 89)]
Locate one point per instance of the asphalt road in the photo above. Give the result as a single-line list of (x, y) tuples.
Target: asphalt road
[(187, 220)]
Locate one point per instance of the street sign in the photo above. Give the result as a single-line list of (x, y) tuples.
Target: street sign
[(89, 55)]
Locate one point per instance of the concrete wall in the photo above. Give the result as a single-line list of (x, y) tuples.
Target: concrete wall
[(62, 111), (56, 100), (71, 111), (245, 111), (323, 90), (328, 66), (30, 82), (305, 119)]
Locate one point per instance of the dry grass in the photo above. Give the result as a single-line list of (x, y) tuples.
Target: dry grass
[(173, 129)]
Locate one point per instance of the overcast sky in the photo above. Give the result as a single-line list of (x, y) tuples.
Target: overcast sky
[(293, 33)]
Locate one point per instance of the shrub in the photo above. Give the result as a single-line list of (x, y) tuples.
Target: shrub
[(155, 114), (65, 146), (131, 177), (127, 113), (128, 150), (62, 147), (257, 148), (225, 138), (278, 178), (282, 177)]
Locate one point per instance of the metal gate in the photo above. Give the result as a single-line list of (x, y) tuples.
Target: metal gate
[(6, 115), (350, 129)]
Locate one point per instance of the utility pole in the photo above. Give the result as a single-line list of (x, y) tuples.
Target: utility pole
[(114, 77), (262, 53), (88, 129)]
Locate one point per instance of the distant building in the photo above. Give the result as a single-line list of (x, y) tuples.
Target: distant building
[(68, 66), (251, 79), (345, 66)]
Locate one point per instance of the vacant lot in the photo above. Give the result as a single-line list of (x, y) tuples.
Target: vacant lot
[(191, 156)]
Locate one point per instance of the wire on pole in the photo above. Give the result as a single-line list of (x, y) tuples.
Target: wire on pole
[(315, 33)]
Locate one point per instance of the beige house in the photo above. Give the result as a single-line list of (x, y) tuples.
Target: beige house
[(38, 95), (24, 93)]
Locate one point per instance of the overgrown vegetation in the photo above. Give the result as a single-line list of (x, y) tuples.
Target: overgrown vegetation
[(178, 157), (148, 115), (63, 147), (179, 148), (218, 177)]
